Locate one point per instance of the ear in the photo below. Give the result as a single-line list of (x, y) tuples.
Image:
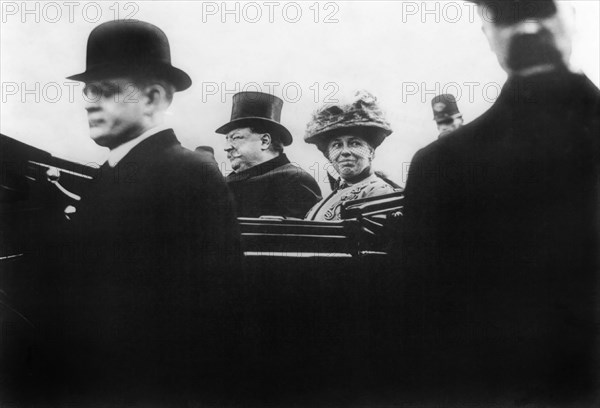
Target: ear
[(265, 141), (371, 154), (155, 97), (486, 28)]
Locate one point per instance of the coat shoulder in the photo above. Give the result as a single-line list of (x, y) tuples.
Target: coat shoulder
[(181, 159), (293, 170)]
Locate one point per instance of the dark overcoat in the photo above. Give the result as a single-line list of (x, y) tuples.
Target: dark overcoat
[(149, 278), (275, 187), (500, 246)]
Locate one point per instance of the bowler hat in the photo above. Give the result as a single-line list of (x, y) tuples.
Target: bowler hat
[(257, 108), (361, 114), (130, 48), (444, 108), (507, 12)]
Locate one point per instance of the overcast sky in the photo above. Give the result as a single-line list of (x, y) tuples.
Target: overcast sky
[(308, 53)]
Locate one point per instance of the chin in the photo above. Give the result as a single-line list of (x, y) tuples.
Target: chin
[(105, 140), (99, 138), (348, 174)]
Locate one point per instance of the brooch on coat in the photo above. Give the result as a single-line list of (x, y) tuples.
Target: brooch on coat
[(333, 213)]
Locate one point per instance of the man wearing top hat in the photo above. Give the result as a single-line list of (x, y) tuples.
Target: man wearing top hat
[(155, 241), (263, 181), (500, 286), (446, 114)]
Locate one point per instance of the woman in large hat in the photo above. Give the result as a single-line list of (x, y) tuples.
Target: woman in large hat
[(348, 134)]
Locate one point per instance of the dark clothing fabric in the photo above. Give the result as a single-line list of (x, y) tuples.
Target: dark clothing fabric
[(500, 244), (275, 187), (151, 276)]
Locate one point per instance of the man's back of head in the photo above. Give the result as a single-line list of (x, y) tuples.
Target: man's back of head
[(528, 36)]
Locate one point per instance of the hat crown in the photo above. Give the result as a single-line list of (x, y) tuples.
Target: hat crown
[(256, 105), (251, 108), (130, 48), (444, 107), (362, 111), (131, 42)]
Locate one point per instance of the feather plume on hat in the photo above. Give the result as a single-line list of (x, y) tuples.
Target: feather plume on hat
[(361, 114)]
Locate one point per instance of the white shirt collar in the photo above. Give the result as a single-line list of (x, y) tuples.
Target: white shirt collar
[(117, 154)]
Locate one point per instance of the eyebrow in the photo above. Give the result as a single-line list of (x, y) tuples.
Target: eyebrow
[(351, 139)]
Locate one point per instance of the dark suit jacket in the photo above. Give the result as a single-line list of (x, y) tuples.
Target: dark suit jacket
[(500, 247), (275, 187), (151, 272)]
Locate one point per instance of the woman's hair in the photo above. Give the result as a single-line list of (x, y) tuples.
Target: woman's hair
[(371, 135)]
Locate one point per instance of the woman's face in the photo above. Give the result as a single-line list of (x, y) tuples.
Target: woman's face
[(350, 155)]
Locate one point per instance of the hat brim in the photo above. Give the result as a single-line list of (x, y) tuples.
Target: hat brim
[(180, 80), (271, 125), (374, 135), (448, 117)]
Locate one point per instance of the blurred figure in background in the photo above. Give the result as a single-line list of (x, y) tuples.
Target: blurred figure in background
[(146, 291), (500, 298), (446, 114)]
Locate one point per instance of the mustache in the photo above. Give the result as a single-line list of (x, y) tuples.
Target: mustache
[(95, 122), (529, 50)]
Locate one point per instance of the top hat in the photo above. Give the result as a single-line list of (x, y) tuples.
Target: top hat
[(507, 12), (444, 108), (361, 114), (257, 108), (130, 48)]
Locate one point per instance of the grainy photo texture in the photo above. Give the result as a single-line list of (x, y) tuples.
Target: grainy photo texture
[(289, 204)]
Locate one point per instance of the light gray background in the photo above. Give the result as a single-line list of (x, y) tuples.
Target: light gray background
[(402, 52)]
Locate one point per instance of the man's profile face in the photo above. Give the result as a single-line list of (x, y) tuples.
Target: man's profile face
[(244, 148), (534, 42), (114, 111), (448, 126)]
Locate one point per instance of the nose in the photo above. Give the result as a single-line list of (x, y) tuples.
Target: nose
[(91, 104), (91, 108), (91, 97), (345, 150), (228, 146)]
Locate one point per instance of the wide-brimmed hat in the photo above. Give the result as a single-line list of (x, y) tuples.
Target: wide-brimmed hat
[(257, 108), (130, 48), (362, 114)]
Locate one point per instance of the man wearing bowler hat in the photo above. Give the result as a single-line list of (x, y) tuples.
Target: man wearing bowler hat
[(500, 286), (155, 240), (264, 182), (446, 114)]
